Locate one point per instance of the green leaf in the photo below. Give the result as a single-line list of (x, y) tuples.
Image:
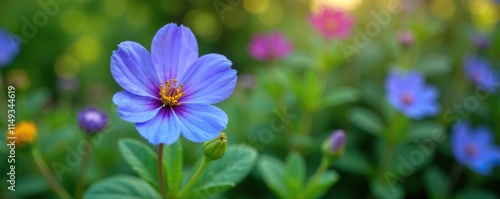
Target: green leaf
[(366, 120), (435, 182), (424, 130), (172, 164), (272, 172), (340, 96), (222, 174), (322, 184), (121, 187), (434, 65), (355, 162), (141, 158), (475, 193), (295, 172), (385, 190)]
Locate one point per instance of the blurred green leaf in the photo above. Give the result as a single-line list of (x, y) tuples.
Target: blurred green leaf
[(322, 184), (385, 190), (121, 187), (434, 65), (338, 96), (141, 158), (31, 185), (355, 162), (366, 120), (227, 172), (295, 173), (33, 102), (172, 163), (423, 130), (435, 182), (272, 172), (475, 193)]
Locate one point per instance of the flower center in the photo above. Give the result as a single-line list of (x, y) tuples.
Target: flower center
[(407, 98), (477, 78), (169, 94), (331, 24), (470, 150)]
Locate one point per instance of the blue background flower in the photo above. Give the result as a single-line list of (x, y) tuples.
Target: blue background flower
[(408, 93), (9, 47), (474, 147), (481, 73)]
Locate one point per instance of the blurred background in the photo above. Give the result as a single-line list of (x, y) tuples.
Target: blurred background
[(63, 65)]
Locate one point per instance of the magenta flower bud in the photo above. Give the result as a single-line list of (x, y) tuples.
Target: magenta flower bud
[(268, 47), (405, 38), (335, 144), (92, 120)]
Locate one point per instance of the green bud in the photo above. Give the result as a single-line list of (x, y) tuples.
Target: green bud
[(215, 149)]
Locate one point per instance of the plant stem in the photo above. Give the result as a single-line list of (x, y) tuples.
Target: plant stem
[(306, 123), (160, 172), (80, 183), (195, 177), (385, 160), (321, 169), (453, 176), (40, 162)]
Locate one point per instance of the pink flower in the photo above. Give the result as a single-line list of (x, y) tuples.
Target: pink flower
[(332, 23), (268, 47)]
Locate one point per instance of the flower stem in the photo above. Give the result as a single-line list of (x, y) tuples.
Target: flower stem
[(453, 176), (306, 123), (80, 183), (321, 169), (40, 162), (195, 177), (160, 172)]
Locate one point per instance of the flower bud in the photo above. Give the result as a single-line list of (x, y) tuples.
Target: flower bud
[(25, 132), (215, 149), (405, 38), (92, 120), (335, 144)]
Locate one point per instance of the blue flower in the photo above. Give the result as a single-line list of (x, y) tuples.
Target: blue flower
[(92, 120), (474, 148), (408, 93), (481, 73), (171, 91), (9, 47)]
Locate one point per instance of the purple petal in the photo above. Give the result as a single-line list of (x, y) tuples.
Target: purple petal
[(201, 122), (483, 136), (209, 80), (164, 128), (414, 80), (134, 108), (132, 69), (459, 139), (174, 49)]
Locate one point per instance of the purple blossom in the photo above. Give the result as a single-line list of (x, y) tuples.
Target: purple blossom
[(475, 148), (481, 41), (408, 93), (171, 91), (92, 120), (481, 73), (9, 47), (269, 47)]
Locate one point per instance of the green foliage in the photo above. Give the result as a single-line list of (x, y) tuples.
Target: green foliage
[(122, 187), (225, 173)]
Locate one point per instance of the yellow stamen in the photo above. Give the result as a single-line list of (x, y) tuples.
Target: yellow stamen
[(170, 95)]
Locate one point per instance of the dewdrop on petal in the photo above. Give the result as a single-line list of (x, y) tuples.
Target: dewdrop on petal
[(215, 149)]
